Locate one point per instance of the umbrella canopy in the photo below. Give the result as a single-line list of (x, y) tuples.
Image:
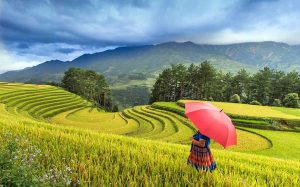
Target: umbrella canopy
[(212, 122)]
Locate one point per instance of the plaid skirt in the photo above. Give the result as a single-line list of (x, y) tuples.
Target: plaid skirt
[(201, 158)]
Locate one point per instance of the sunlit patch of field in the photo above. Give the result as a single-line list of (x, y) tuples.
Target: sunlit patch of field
[(255, 110)]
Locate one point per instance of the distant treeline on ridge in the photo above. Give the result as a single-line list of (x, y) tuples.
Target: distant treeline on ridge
[(204, 82)]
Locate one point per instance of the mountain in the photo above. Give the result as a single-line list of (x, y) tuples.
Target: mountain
[(151, 59), (133, 69)]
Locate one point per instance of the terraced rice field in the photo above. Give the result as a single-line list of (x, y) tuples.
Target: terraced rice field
[(104, 159), (75, 135), (256, 110), (65, 109)]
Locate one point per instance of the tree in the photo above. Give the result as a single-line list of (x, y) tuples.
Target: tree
[(289, 83), (235, 98), (277, 102), (191, 88), (278, 88), (179, 73), (163, 88), (205, 80), (240, 84), (226, 89), (254, 102), (88, 84), (115, 108), (291, 100), (261, 85)]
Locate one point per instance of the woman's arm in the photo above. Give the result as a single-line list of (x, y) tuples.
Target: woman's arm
[(200, 143)]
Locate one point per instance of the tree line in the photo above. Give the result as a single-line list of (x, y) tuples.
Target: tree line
[(204, 82), (90, 85)]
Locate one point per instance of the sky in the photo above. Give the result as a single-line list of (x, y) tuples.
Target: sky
[(34, 31)]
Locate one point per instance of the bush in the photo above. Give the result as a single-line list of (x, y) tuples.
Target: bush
[(254, 102), (291, 100), (235, 98), (210, 99), (277, 102)]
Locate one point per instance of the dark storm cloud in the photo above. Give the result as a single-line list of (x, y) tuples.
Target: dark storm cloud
[(133, 21), (65, 50), (37, 30)]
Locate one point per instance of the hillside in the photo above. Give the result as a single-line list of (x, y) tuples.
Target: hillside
[(131, 71), (78, 145), (162, 121), (150, 59)]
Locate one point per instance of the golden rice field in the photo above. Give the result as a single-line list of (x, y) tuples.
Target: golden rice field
[(140, 146), (256, 110)]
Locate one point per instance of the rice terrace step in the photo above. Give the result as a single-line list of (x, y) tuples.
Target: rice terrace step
[(60, 124)]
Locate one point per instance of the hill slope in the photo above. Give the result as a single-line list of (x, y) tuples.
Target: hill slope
[(153, 58), (92, 158)]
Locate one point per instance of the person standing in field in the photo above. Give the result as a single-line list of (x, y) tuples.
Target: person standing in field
[(200, 155)]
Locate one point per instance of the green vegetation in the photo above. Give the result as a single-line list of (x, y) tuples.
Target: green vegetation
[(82, 145), (291, 100), (41, 102), (90, 85), (252, 110), (204, 82), (100, 159)]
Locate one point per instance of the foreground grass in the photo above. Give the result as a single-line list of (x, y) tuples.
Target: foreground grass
[(102, 159)]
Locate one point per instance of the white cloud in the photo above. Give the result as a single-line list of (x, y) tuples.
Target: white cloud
[(64, 30), (12, 58), (10, 61)]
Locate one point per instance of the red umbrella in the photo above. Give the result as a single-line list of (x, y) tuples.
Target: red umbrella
[(211, 122)]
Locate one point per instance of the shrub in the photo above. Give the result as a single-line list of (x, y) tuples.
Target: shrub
[(235, 98), (254, 102), (291, 100), (210, 99), (277, 102)]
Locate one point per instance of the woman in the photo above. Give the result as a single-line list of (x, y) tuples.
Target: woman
[(200, 154)]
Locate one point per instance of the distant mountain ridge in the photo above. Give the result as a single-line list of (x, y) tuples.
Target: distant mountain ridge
[(150, 59)]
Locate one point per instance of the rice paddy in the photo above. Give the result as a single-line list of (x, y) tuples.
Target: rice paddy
[(141, 146), (256, 110)]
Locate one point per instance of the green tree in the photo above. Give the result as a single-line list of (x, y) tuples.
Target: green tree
[(88, 84), (278, 88), (191, 87), (180, 76), (254, 102), (235, 98), (262, 85), (206, 78), (277, 102), (240, 84), (227, 86), (291, 100)]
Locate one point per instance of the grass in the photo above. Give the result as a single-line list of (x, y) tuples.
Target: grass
[(39, 102), (73, 140), (284, 144), (238, 118), (87, 118), (256, 110), (102, 159)]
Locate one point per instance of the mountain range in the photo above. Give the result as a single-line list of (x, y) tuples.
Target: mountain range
[(129, 70), (150, 59)]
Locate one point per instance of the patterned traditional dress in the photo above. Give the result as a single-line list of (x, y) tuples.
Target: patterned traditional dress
[(201, 157)]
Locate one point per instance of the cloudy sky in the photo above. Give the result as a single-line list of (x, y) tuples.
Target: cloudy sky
[(33, 31)]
